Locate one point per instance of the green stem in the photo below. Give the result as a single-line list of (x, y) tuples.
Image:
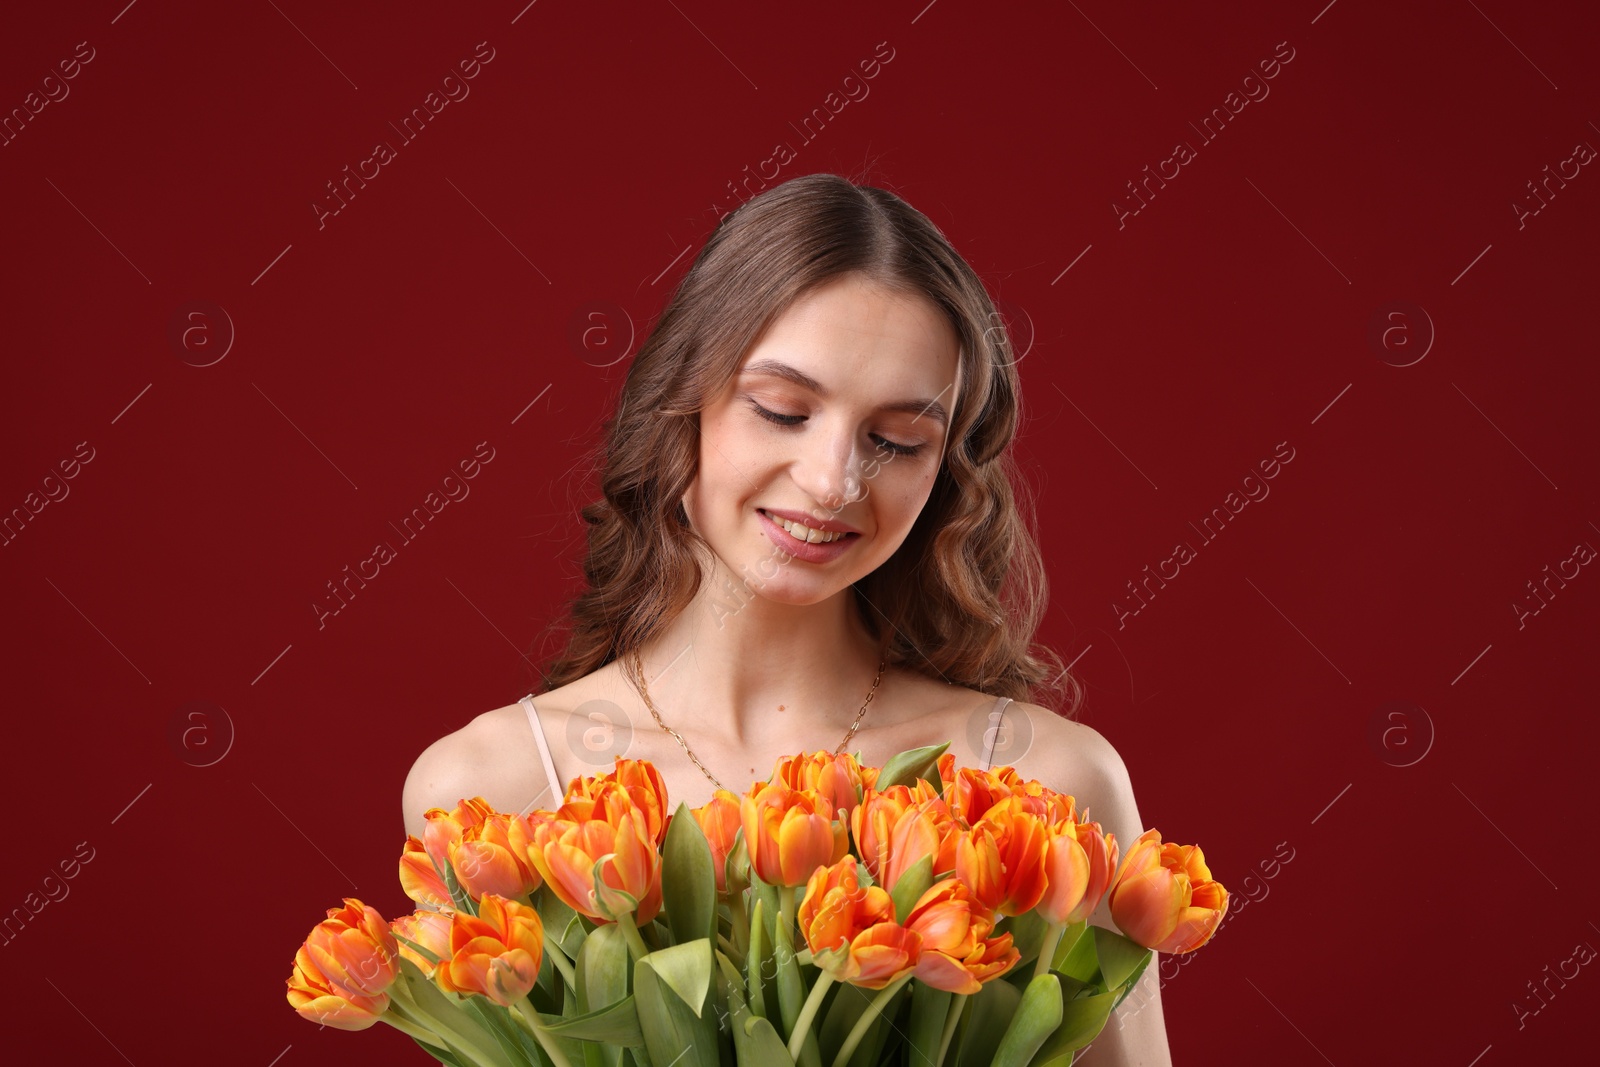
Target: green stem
[(786, 908), (728, 946), (950, 1027), (530, 1019), (874, 1009), (802, 1025), (630, 934), (442, 1031), (1047, 950)]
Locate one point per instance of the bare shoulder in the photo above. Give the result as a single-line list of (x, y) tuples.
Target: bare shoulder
[(493, 756), (1074, 758)]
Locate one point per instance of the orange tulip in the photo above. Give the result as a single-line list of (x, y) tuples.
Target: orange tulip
[(1079, 862), (836, 778), (957, 953), (789, 833), (640, 782), (495, 953), (420, 879), (568, 853), (443, 828), (318, 999), (869, 776), (973, 793), (1164, 897), (430, 929), (719, 820), (487, 859), (895, 829), (1002, 859), (344, 968), (850, 929)]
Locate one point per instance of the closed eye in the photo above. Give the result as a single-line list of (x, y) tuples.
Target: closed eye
[(795, 420)]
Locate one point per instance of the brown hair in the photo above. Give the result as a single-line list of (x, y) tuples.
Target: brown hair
[(962, 597)]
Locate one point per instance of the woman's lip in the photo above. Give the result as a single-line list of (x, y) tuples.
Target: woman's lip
[(825, 525), (810, 551)]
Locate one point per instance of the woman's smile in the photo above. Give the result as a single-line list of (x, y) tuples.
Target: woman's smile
[(806, 542)]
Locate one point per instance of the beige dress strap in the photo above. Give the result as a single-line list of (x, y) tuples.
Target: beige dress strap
[(556, 792)]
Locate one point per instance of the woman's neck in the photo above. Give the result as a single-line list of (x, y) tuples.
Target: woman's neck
[(754, 670)]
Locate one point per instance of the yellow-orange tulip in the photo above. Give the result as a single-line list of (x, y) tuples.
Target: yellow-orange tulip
[(430, 929), (837, 779), (1002, 859), (495, 953), (789, 833), (344, 968), (719, 820), (973, 793), (318, 999), (1164, 897), (895, 829), (354, 948), (957, 953), (640, 782), (419, 878), (566, 853), (850, 928), (487, 860), (1080, 862)]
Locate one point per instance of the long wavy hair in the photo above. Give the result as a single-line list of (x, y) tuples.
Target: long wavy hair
[(961, 599)]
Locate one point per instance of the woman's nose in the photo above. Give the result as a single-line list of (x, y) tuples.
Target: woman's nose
[(829, 469)]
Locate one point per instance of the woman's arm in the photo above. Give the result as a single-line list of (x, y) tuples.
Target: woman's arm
[(1073, 758)]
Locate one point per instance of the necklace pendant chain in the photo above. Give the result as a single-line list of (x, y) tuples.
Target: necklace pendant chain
[(644, 693)]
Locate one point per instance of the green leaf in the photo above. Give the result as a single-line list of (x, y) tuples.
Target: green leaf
[(845, 1007), (909, 887), (442, 1055), (670, 991), (463, 901), (686, 969), (1076, 956), (910, 765), (983, 1024), (1082, 1020), (760, 1045), (603, 969), (792, 992), (1133, 979), (1036, 1019), (615, 1024), (758, 961), (688, 879), (564, 925), (929, 1009), (507, 1034), (1119, 956), (1027, 935)]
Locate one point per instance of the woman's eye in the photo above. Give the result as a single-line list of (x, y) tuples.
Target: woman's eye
[(795, 420), (773, 416)]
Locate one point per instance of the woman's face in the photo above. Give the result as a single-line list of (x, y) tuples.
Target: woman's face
[(838, 417)]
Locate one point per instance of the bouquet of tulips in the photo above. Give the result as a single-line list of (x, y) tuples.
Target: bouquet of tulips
[(838, 914)]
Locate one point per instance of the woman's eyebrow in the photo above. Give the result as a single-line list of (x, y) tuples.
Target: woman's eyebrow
[(777, 369)]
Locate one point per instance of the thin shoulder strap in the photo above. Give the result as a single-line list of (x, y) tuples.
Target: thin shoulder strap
[(556, 792), (991, 733)]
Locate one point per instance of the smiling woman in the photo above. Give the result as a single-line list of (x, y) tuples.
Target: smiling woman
[(808, 527)]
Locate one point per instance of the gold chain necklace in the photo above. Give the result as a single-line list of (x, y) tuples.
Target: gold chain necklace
[(644, 693)]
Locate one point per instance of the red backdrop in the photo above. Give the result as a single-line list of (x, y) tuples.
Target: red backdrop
[(1364, 686)]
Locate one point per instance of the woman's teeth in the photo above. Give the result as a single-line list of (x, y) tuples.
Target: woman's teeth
[(803, 533)]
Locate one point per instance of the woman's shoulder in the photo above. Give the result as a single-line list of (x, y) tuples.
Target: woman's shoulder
[(493, 755)]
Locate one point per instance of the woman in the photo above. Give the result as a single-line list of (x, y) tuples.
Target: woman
[(807, 540)]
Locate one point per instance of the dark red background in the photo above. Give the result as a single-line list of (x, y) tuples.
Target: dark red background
[(589, 161)]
